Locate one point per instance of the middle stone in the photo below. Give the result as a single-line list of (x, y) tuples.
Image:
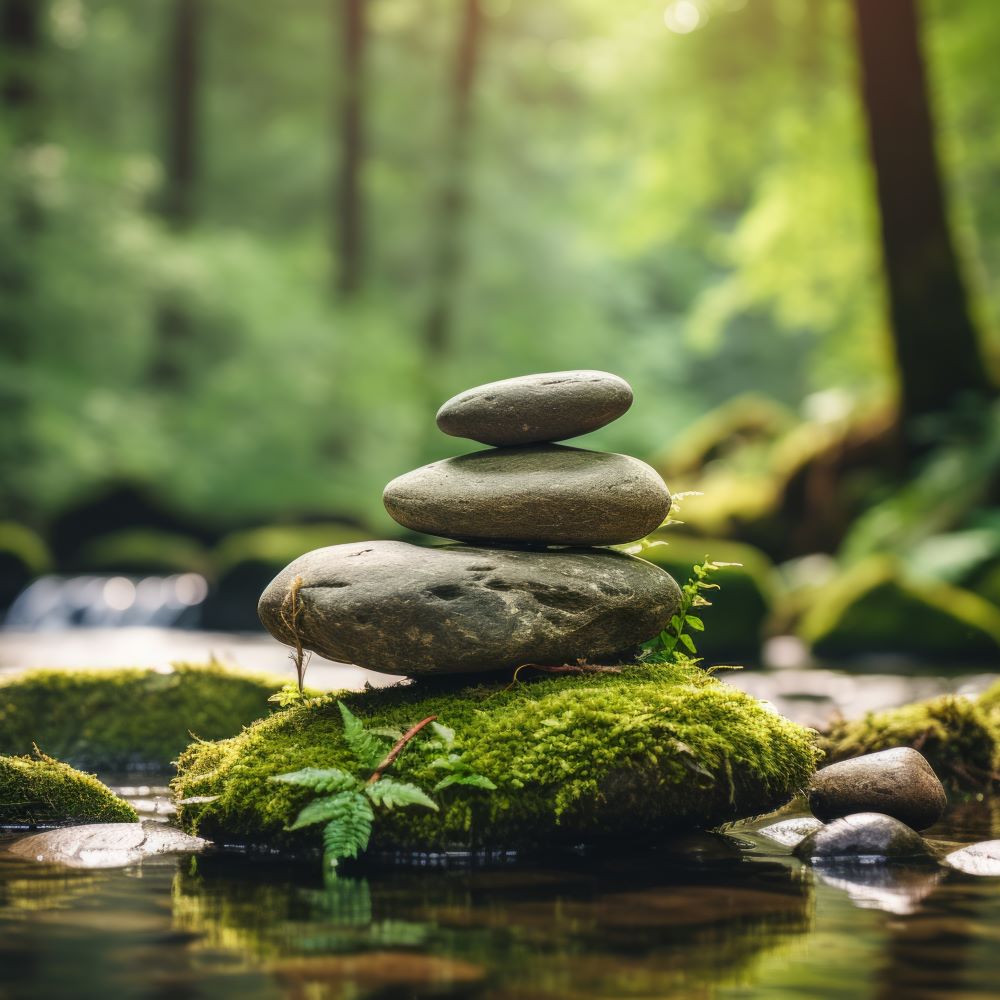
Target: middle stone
[(541, 494)]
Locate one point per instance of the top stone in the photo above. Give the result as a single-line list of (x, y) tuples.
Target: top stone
[(551, 406)]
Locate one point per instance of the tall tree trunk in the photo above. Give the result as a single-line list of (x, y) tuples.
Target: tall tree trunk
[(349, 235), (181, 140), (453, 202), (936, 343)]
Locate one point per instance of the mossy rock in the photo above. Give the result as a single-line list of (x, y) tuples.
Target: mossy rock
[(38, 790), (585, 759), (874, 608), (144, 551), (109, 719), (740, 608), (958, 737)]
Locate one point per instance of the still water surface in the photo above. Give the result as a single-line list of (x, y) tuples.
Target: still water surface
[(705, 916)]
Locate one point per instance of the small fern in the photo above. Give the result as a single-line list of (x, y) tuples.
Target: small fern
[(348, 800)]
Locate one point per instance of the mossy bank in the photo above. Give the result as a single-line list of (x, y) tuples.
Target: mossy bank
[(576, 759), (108, 719), (40, 791)]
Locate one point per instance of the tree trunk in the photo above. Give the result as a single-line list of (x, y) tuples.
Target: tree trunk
[(349, 234), (181, 154), (936, 344), (446, 261)]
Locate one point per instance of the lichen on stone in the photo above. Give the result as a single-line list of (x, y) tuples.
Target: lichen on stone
[(576, 759), (107, 719), (39, 790)]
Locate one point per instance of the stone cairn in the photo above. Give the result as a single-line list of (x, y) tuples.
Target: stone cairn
[(529, 581)]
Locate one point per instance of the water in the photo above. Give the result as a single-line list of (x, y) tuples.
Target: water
[(704, 916)]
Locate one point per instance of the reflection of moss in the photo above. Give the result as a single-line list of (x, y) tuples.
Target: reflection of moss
[(36, 790), (739, 610), (872, 608), (120, 718), (574, 758), (144, 550), (954, 734)]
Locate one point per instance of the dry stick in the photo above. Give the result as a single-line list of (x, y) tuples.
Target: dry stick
[(291, 610), (391, 756)]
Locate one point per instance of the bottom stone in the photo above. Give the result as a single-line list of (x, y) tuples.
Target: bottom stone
[(586, 759)]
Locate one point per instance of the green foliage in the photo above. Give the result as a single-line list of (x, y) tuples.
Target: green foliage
[(39, 790), (457, 768), (575, 759), (110, 719), (346, 808)]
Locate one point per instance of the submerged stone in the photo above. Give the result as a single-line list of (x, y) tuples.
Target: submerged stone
[(898, 782), (39, 791), (403, 609), (105, 845), (623, 757), (864, 836), (977, 859), (789, 832), (547, 407), (540, 494)]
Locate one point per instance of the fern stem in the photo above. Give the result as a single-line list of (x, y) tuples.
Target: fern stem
[(397, 749)]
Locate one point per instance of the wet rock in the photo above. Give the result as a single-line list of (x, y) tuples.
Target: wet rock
[(789, 832), (862, 837), (978, 859), (542, 494), (403, 609), (105, 845), (551, 406), (897, 782)]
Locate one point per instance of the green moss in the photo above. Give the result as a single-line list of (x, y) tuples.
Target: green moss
[(873, 608), (956, 735), (735, 622), (575, 759), (39, 790), (108, 719)]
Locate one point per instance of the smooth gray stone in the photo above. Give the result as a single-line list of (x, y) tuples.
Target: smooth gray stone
[(977, 859), (789, 832), (401, 609), (541, 494), (551, 406), (897, 782), (105, 845), (864, 836)]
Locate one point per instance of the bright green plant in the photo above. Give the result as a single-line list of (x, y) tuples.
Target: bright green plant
[(348, 802)]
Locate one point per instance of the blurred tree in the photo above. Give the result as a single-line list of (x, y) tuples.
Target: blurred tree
[(349, 237), (181, 141), (447, 251), (935, 340)]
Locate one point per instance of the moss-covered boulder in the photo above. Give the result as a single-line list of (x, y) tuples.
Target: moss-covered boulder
[(740, 609), (875, 608), (38, 790), (108, 719), (631, 755), (957, 735)]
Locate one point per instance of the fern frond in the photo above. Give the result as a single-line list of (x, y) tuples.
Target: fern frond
[(367, 749), (324, 780), (390, 793), (471, 779), (349, 829)]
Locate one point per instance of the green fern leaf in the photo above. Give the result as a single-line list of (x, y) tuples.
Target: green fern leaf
[(324, 780), (390, 793), (350, 827), (472, 780), (366, 748)]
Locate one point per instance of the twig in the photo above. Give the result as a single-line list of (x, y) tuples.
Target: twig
[(391, 756), (291, 611)]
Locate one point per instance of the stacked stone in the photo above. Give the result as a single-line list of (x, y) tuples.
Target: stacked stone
[(530, 582)]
